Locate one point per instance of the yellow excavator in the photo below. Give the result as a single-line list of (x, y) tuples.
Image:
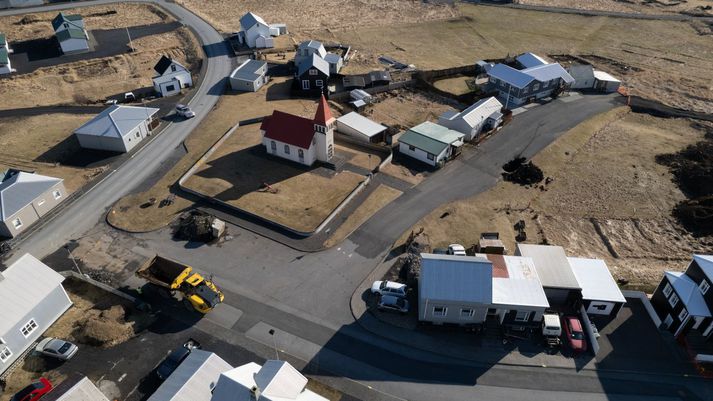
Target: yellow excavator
[(174, 277)]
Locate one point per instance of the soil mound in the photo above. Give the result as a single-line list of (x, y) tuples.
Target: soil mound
[(696, 215), (195, 226), (520, 171), (692, 168), (105, 328)]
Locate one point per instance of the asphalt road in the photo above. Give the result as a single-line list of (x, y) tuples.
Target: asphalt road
[(90, 208)]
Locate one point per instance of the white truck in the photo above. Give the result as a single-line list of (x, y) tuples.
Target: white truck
[(551, 329)]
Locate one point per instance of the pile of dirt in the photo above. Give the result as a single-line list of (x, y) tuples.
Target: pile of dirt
[(696, 215), (520, 171), (195, 226), (104, 328), (692, 168)]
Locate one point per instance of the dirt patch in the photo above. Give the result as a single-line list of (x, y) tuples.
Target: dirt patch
[(521, 171), (406, 108), (39, 25), (457, 85), (380, 197), (195, 226), (30, 143), (600, 201), (92, 81)]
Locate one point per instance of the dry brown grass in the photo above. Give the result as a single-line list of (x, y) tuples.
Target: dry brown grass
[(403, 173), (39, 25), (629, 6), (456, 85), (127, 213), (91, 81), (406, 108), (24, 140), (600, 177), (380, 197)]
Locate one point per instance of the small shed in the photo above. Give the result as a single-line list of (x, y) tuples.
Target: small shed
[(604, 82), (600, 294), (32, 300), (360, 128), (194, 379), (454, 289), (335, 62), (117, 128), (250, 76)]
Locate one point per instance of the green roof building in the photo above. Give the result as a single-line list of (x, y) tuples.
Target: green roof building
[(431, 143)]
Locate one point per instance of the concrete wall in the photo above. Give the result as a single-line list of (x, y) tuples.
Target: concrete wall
[(33, 211), (45, 314), (310, 155)]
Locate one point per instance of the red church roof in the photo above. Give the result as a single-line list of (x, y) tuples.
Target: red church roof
[(324, 114), (290, 129)]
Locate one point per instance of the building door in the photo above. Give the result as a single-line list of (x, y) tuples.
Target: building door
[(697, 322), (708, 331), (301, 155), (305, 84), (667, 322)]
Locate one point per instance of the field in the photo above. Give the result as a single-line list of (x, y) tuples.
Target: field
[(39, 25), (94, 80), (405, 108), (33, 144), (456, 85), (631, 6), (607, 199)]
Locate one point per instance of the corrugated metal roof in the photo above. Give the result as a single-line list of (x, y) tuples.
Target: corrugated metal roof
[(522, 78), (477, 112), (551, 264), (520, 285), (316, 46), (71, 33), (549, 72), (2, 39), (316, 62), (247, 71), (688, 293), (596, 281), (194, 379), (73, 19), (21, 189), (705, 262), (604, 76), (116, 121), (4, 57), (248, 20), (75, 388), (23, 286), (235, 384), (332, 58), (278, 379), (530, 60), (430, 137), (510, 75), (360, 123), (456, 278)]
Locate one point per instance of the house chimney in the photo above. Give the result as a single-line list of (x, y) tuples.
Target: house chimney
[(255, 393)]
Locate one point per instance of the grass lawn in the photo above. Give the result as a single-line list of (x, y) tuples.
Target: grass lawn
[(456, 85)]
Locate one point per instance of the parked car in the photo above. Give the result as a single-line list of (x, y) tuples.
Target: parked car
[(34, 391), (393, 303), (456, 249), (573, 334), (56, 348), (389, 288), (175, 358), (129, 97), (184, 111)]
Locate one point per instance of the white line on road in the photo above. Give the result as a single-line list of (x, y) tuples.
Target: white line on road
[(122, 378)]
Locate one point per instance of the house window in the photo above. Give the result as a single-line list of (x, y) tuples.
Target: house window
[(683, 315), (28, 328), (273, 146), (411, 148), (312, 72), (525, 90), (5, 352), (287, 149), (305, 84), (430, 156), (17, 223), (56, 194), (522, 316), (535, 87), (466, 313), (42, 202), (667, 290), (170, 88), (440, 311), (673, 300), (138, 135), (301, 154), (173, 68), (330, 151), (319, 83), (704, 286)]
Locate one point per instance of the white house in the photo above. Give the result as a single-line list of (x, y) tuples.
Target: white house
[(431, 143), (483, 115), (32, 300), (172, 77), (5, 51), (250, 76), (71, 33), (360, 128), (117, 128), (194, 379), (314, 47), (256, 33), (25, 197), (586, 77), (273, 381), (300, 139)]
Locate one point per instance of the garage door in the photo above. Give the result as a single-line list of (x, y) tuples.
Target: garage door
[(556, 296)]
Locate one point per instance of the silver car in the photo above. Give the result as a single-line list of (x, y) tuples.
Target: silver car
[(392, 303), (57, 348), (184, 111), (389, 288)]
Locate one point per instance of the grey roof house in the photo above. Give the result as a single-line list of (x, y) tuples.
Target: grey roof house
[(25, 197), (314, 47), (27, 311), (431, 143), (249, 76), (117, 128), (360, 128), (71, 33), (483, 115)]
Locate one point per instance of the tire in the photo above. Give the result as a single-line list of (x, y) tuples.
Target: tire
[(188, 305), (164, 293)]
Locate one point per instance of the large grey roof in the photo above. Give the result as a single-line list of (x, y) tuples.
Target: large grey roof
[(548, 72), (247, 71), (478, 112), (248, 20), (430, 137), (360, 123), (23, 285), (194, 378), (314, 61), (456, 278), (510, 75), (530, 60), (116, 121), (596, 281), (521, 78), (551, 264), (705, 262), (316, 47), (21, 189), (688, 293)]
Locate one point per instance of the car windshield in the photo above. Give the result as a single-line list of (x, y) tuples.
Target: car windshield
[(64, 348), (577, 335), (383, 285), (27, 391), (401, 302)]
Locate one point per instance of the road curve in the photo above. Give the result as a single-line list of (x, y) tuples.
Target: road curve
[(91, 207)]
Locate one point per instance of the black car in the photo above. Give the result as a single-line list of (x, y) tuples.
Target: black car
[(175, 358)]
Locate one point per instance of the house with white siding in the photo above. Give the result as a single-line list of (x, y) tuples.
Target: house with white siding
[(586, 77), (256, 33), (5, 51), (249, 76), (172, 77), (32, 300), (360, 128), (25, 197), (71, 33), (431, 143), (117, 128), (314, 47), (483, 115), (300, 139)]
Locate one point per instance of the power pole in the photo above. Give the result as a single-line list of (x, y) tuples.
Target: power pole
[(131, 45)]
